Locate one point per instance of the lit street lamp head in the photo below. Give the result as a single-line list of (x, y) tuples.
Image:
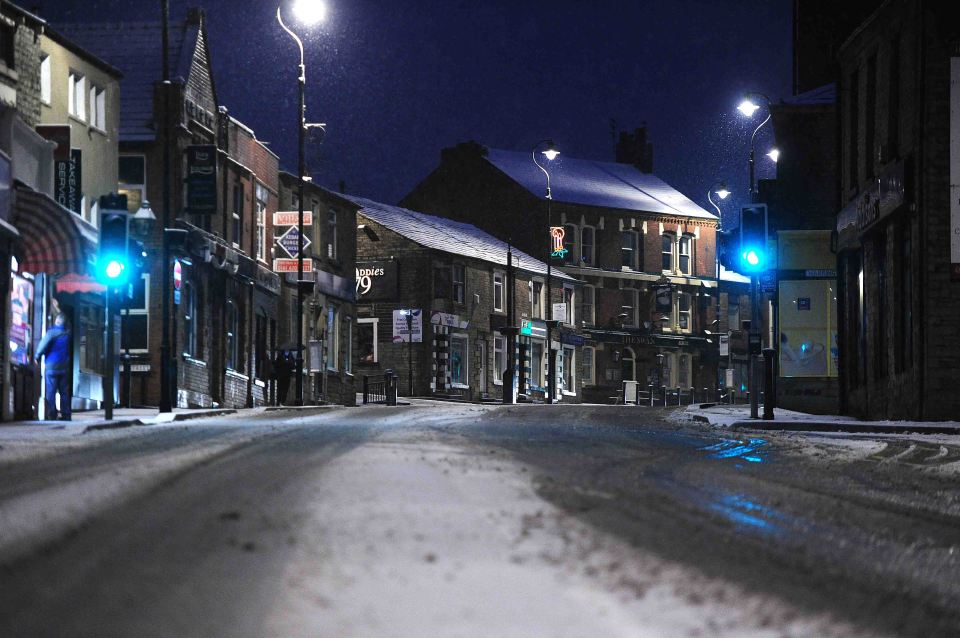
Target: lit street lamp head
[(774, 154), (309, 12), (551, 151), (748, 107), (722, 192)]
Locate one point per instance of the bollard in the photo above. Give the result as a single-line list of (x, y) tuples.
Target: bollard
[(663, 390), (650, 392), (768, 397), (390, 387), (366, 389)]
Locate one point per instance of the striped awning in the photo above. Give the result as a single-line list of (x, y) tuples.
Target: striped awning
[(52, 239)]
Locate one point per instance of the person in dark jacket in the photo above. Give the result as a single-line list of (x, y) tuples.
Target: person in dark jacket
[(283, 368), (55, 346)]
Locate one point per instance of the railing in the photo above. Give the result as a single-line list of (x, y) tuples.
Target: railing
[(380, 388)]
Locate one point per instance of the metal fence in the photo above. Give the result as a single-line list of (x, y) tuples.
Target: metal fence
[(380, 388), (650, 395)]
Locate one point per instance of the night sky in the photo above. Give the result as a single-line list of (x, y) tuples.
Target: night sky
[(397, 81)]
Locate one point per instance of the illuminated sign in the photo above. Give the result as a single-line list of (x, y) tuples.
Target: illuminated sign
[(557, 233), (376, 280)]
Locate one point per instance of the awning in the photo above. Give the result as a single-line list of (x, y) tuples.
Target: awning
[(74, 283), (52, 238)]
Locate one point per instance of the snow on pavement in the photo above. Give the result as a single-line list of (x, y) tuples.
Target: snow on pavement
[(418, 534)]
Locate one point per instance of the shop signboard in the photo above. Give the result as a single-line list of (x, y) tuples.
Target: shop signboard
[(402, 330), (290, 265), (202, 179), (376, 280), (292, 218), (289, 240)]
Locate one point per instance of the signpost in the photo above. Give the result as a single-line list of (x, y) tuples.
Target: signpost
[(290, 265), (292, 217), (289, 240)]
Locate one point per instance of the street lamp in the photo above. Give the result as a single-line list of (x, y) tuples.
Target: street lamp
[(720, 189), (774, 154), (748, 107), (550, 152), (143, 221), (308, 12)]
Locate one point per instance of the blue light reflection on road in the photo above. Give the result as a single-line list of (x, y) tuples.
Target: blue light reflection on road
[(749, 450), (748, 514)]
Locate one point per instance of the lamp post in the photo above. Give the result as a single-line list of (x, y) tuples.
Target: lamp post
[(550, 152), (166, 367), (748, 107), (141, 226), (720, 188), (308, 12)]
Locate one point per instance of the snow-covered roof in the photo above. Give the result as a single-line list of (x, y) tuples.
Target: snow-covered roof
[(446, 235), (826, 94), (732, 276), (593, 183)]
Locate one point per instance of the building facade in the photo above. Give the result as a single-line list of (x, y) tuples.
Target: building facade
[(451, 281), (330, 316), (644, 252), (898, 303)]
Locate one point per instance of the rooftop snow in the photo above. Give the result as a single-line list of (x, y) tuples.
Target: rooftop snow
[(592, 183), (446, 235)]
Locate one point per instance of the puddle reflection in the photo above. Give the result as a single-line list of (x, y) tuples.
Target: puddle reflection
[(749, 450)]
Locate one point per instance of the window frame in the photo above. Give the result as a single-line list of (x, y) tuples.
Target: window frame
[(77, 95), (46, 78), (685, 240), (190, 340), (262, 199), (140, 312), (591, 262), (232, 322), (668, 255), (633, 317), (571, 241), (681, 312), (346, 323), (458, 288), (588, 318), (237, 214), (536, 298), (569, 385), (372, 321), (332, 247), (570, 304), (499, 305), (98, 107), (588, 364), (634, 249), (499, 347), (333, 343), (464, 340)]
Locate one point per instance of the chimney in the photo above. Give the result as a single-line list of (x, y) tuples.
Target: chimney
[(195, 16), (471, 150), (633, 148)]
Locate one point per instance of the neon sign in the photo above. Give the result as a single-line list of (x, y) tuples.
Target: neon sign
[(557, 233)]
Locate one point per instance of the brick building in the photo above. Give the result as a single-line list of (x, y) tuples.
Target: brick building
[(455, 279), (898, 302), (330, 314), (224, 189), (645, 253)]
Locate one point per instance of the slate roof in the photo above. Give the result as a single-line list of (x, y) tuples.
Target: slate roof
[(593, 183), (447, 235), (826, 94), (135, 48)]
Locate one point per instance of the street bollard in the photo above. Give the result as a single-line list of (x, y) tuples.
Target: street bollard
[(663, 391), (390, 387), (650, 392), (366, 389), (768, 396)]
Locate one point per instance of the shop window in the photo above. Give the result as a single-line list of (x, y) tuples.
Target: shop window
[(91, 331), (348, 344), (569, 367), (499, 358), (367, 341), (459, 283), (587, 365), (459, 364), (190, 328), (536, 363)]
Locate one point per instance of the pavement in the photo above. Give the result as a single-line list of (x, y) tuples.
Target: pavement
[(737, 417)]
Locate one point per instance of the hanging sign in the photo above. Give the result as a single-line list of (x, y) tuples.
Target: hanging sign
[(292, 218), (288, 241), (376, 280), (556, 235), (290, 265)]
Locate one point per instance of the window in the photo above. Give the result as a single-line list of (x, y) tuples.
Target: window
[(261, 239), (586, 246), (629, 309), (684, 318), (441, 281), (536, 364), (586, 365), (569, 366), (459, 283), (77, 95), (367, 341), (853, 115), (870, 124), (333, 345), (893, 101), (236, 234), (568, 300), (733, 313), (683, 371), (667, 241), (459, 368), (91, 331), (536, 299), (95, 212), (587, 305), (332, 234), (628, 249), (135, 322), (499, 358), (233, 335), (190, 326), (570, 243), (132, 178), (8, 31), (260, 346), (906, 303), (46, 85), (684, 253), (498, 291), (667, 377), (628, 365), (98, 113), (348, 350)]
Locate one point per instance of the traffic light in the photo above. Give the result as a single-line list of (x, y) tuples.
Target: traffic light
[(753, 239), (728, 243), (113, 262)]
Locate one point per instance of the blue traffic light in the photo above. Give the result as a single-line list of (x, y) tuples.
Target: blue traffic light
[(114, 269), (113, 262), (753, 239)]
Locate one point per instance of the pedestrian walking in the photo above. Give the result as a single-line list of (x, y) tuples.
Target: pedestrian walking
[(56, 348), (283, 368)]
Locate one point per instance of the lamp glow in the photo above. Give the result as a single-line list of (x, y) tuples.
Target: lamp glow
[(723, 193), (309, 12), (748, 107), (774, 154), (114, 269), (551, 153)]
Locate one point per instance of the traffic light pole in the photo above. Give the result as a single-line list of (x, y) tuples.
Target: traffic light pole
[(754, 338), (111, 357)]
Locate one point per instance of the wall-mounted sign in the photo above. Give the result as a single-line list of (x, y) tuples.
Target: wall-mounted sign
[(408, 322), (438, 318), (560, 312), (533, 328), (288, 241), (292, 218), (202, 179), (60, 135), (376, 280), (724, 345), (75, 181), (290, 265), (556, 235)]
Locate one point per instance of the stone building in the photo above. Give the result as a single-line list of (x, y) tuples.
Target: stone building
[(224, 190), (454, 278), (899, 258), (330, 314), (644, 251)]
